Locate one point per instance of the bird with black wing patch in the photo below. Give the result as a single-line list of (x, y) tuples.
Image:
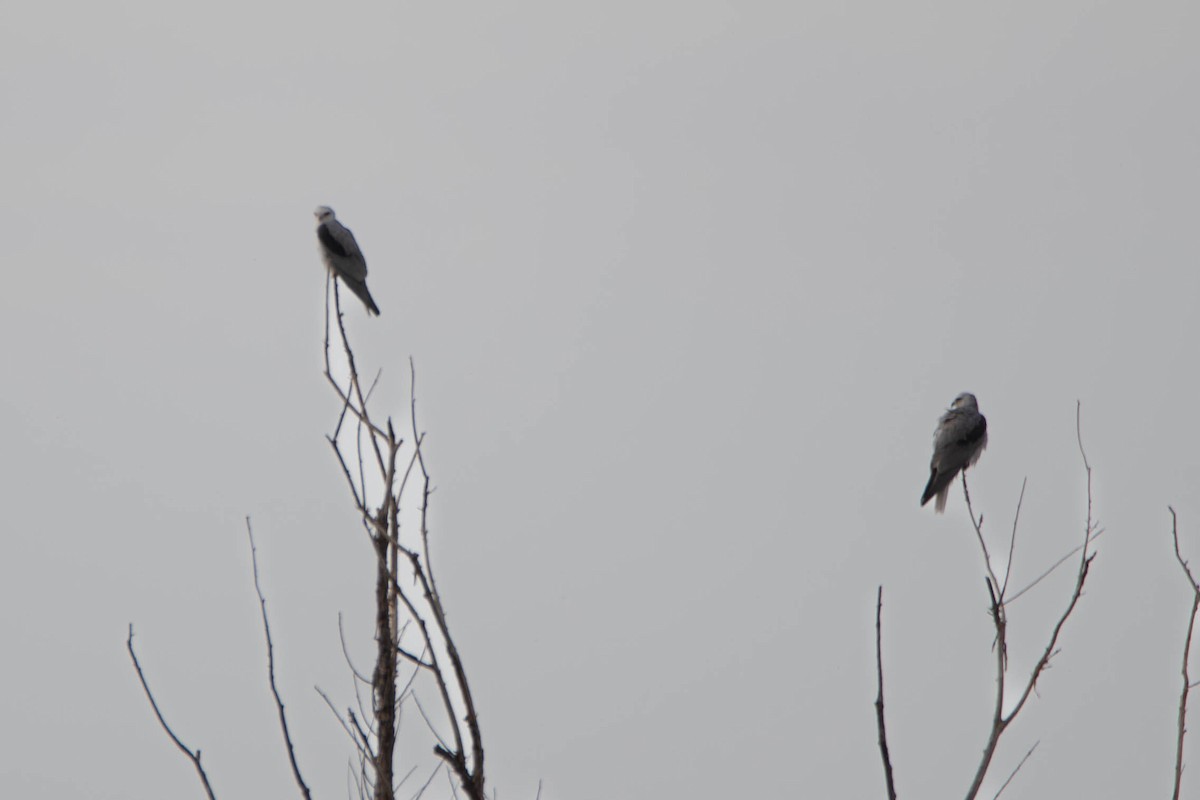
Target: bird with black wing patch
[(959, 440), (341, 255)]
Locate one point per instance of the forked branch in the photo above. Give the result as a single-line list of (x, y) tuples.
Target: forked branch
[(417, 598), (1000, 719), (194, 757), (283, 724)]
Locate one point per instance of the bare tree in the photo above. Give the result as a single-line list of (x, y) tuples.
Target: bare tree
[(1004, 709), (380, 473), (412, 637)]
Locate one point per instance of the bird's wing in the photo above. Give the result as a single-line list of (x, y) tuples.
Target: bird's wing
[(960, 437), (975, 438), (364, 294), (339, 243)]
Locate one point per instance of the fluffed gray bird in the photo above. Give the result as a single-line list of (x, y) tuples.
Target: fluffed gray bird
[(958, 441), (341, 255)]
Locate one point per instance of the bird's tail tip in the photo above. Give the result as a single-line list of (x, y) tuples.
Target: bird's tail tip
[(930, 493)]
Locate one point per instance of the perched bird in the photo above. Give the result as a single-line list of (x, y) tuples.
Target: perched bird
[(341, 255), (960, 437)]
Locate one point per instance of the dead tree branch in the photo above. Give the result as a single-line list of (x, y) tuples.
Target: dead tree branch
[(368, 454), (417, 601), (194, 757), (472, 778), (1000, 719), (1187, 648), (1012, 539), (883, 745), (362, 747), (1097, 533), (283, 724), (1016, 769)]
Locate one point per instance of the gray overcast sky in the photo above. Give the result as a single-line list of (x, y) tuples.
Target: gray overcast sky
[(687, 286)]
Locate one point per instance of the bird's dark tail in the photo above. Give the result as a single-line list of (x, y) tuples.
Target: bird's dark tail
[(938, 485), (929, 492), (360, 289)]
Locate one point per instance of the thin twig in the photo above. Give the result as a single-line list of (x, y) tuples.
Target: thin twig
[(428, 722), (362, 472), (472, 778), (194, 757), (1187, 647), (358, 700), (407, 688), (453, 788), (346, 395), (1096, 535), (1000, 620), (436, 668), (346, 653), (352, 780), (356, 385), (977, 524), (1013, 774), (287, 736), (429, 780), (358, 503), (999, 616), (1012, 540), (1079, 440), (363, 736), (883, 745), (363, 778), (420, 457), (413, 658), (403, 780), (411, 463), (345, 726)]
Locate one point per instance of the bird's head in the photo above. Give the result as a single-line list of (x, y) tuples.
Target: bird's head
[(324, 214), (965, 402)]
